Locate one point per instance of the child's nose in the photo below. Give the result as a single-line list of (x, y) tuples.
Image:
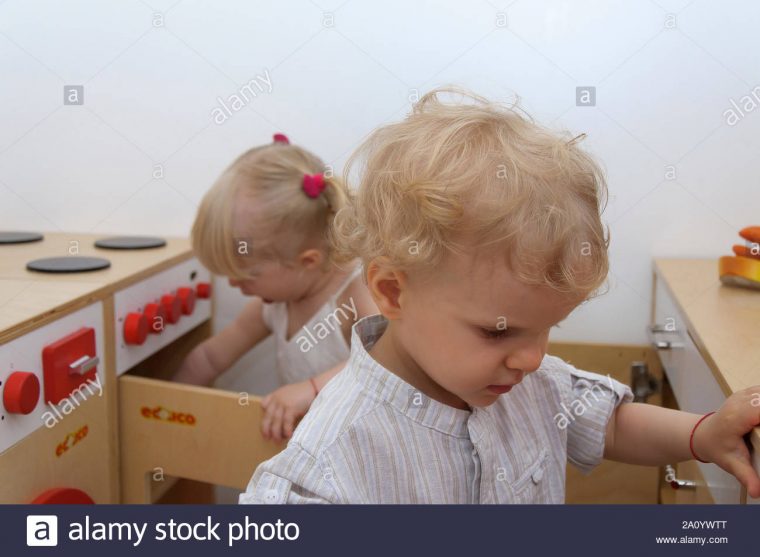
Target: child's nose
[(528, 359), (234, 283)]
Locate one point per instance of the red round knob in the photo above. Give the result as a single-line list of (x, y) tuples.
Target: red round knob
[(187, 297), (135, 328), (63, 496), (156, 317), (203, 289), (21, 392), (172, 306)]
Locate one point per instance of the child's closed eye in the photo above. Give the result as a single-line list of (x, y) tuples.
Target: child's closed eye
[(493, 334), (499, 333)]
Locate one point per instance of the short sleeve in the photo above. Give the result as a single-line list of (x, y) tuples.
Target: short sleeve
[(266, 316), (593, 399), (291, 477)]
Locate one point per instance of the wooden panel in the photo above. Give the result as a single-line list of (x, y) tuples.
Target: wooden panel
[(188, 492), (197, 433), (612, 482), (80, 450), (30, 304), (111, 398), (36, 464)]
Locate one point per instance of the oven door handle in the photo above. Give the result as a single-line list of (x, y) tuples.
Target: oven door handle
[(83, 365)]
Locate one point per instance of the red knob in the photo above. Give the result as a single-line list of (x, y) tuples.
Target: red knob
[(135, 328), (203, 289), (63, 496), (172, 306), (187, 296), (21, 392), (156, 316)]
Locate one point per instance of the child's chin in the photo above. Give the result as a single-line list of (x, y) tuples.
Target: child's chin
[(483, 402)]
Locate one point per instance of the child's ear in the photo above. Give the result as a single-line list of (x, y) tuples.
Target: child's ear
[(386, 284), (311, 259)]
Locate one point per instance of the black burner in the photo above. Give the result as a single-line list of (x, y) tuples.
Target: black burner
[(19, 237), (131, 242), (71, 264)]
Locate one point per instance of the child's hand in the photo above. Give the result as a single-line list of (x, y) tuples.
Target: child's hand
[(720, 437), (283, 407)]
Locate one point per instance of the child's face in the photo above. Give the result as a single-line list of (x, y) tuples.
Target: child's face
[(474, 330), (270, 280)]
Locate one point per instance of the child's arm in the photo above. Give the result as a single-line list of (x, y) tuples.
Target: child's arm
[(650, 435), (285, 405), (215, 355)]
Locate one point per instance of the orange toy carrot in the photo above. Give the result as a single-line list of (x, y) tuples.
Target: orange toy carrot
[(744, 251), (751, 233)]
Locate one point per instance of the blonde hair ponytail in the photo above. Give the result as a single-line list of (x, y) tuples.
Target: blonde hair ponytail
[(282, 218)]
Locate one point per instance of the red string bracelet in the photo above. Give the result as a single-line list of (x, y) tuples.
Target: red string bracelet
[(314, 384), (691, 438)]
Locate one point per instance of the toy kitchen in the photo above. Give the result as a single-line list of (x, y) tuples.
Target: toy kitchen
[(91, 330)]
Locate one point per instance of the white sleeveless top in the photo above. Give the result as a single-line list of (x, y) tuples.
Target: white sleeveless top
[(319, 344)]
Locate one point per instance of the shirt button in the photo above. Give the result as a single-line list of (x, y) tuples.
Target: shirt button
[(537, 475), (270, 496)]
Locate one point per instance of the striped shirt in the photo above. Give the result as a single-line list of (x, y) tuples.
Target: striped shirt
[(370, 437)]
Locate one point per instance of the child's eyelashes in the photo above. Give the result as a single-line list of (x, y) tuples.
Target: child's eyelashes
[(500, 333), (493, 334)]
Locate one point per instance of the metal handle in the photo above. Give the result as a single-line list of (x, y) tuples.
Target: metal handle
[(83, 365), (643, 384), (667, 345), (663, 344), (657, 328), (675, 483)]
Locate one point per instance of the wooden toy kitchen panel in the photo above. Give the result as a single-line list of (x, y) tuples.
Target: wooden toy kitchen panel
[(89, 337)]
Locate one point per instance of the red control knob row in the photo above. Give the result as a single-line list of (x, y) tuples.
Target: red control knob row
[(21, 392), (170, 308)]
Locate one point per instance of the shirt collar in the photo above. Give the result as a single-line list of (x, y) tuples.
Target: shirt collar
[(389, 388)]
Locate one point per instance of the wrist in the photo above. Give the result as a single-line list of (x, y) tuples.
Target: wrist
[(314, 386), (697, 446)]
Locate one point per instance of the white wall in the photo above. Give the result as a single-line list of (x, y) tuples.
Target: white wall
[(149, 93)]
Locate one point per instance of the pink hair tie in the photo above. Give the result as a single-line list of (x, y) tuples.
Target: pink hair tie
[(281, 138), (313, 184)]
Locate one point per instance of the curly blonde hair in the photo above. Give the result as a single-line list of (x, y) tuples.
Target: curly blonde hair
[(477, 177), (269, 180)]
